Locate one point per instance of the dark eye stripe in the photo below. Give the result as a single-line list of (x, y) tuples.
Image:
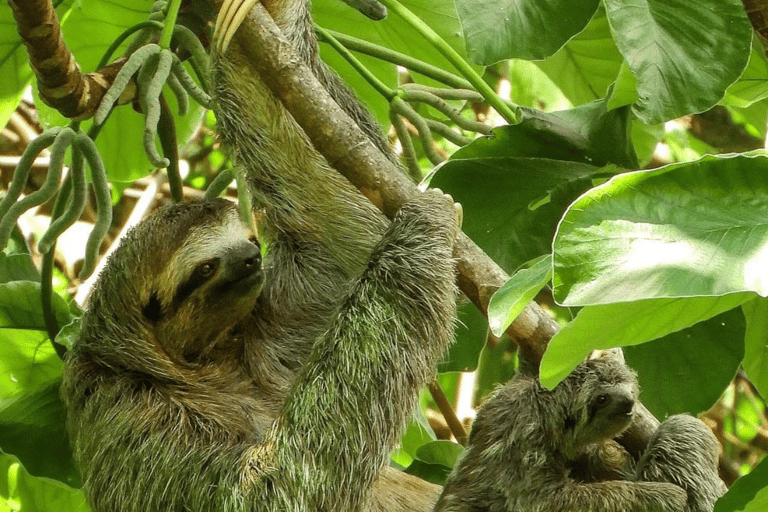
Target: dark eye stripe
[(200, 275), (153, 309)]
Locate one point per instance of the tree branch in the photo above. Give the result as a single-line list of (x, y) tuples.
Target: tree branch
[(59, 80), (338, 138)]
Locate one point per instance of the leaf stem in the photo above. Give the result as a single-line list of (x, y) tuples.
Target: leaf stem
[(369, 77), (170, 23), (454, 58)]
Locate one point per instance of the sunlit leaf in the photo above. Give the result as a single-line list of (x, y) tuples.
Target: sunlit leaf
[(748, 494), (691, 229), (25, 493), (631, 323), (511, 299), (587, 65)]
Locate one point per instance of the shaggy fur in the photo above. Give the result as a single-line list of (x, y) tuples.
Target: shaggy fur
[(536, 450), (188, 393)]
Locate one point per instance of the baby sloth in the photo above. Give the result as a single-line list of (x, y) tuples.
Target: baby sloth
[(536, 450)]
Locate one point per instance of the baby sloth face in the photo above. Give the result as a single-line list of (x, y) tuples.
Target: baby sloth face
[(606, 392)]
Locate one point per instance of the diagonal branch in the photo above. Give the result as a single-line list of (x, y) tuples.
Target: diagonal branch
[(59, 80), (338, 138)]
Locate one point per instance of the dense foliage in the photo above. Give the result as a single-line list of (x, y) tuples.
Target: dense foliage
[(670, 261)]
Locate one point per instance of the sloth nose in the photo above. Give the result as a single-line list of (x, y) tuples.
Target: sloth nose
[(242, 260)]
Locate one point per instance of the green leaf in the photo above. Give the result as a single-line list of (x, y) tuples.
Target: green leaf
[(752, 85), (620, 325), (748, 494), (392, 33), (756, 341), (511, 216), (32, 429), (434, 461), (471, 334), (670, 368), (510, 300), (25, 351), (25, 493), (503, 29), (588, 134), (17, 267), (416, 434), (690, 229), (671, 46), (587, 65)]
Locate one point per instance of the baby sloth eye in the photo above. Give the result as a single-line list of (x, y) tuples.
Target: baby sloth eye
[(601, 399)]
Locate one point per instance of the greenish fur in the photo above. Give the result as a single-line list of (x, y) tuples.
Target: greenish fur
[(295, 396)]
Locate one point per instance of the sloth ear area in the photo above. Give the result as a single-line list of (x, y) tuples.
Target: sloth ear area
[(153, 309)]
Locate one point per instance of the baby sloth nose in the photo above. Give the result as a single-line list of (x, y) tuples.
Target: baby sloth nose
[(624, 404)]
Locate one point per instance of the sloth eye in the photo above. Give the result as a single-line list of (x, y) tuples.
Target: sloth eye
[(202, 273), (206, 269), (602, 399)]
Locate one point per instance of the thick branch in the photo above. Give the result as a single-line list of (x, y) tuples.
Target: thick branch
[(59, 80), (348, 150), (338, 138)]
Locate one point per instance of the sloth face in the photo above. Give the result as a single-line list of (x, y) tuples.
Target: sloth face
[(206, 277), (606, 392)]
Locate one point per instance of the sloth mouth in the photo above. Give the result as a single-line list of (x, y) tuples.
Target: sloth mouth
[(244, 284)]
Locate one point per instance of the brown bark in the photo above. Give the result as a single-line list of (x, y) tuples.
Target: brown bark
[(59, 80)]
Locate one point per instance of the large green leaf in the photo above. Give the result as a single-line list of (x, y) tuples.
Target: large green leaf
[(683, 54), (512, 205), (752, 85), (510, 300), (588, 134), (17, 267), (503, 29), (21, 492), (748, 494), (687, 370), (756, 343), (587, 65), (690, 229), (620, 325), (32, 429)]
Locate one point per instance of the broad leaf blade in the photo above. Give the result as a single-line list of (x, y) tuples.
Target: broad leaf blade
[(684, 55), (619, 325), (32, 429), (507, 212), (504, 29), (510, 300), (692, 229), (686, 371), (587, 65)]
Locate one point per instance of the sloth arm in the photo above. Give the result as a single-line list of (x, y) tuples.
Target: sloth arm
[(608, 496), (348, 405)]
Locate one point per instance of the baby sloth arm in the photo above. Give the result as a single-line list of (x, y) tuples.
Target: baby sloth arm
[(352, 397)]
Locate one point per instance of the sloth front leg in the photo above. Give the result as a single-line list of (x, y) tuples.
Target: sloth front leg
[(349, 403), (683, 451)]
